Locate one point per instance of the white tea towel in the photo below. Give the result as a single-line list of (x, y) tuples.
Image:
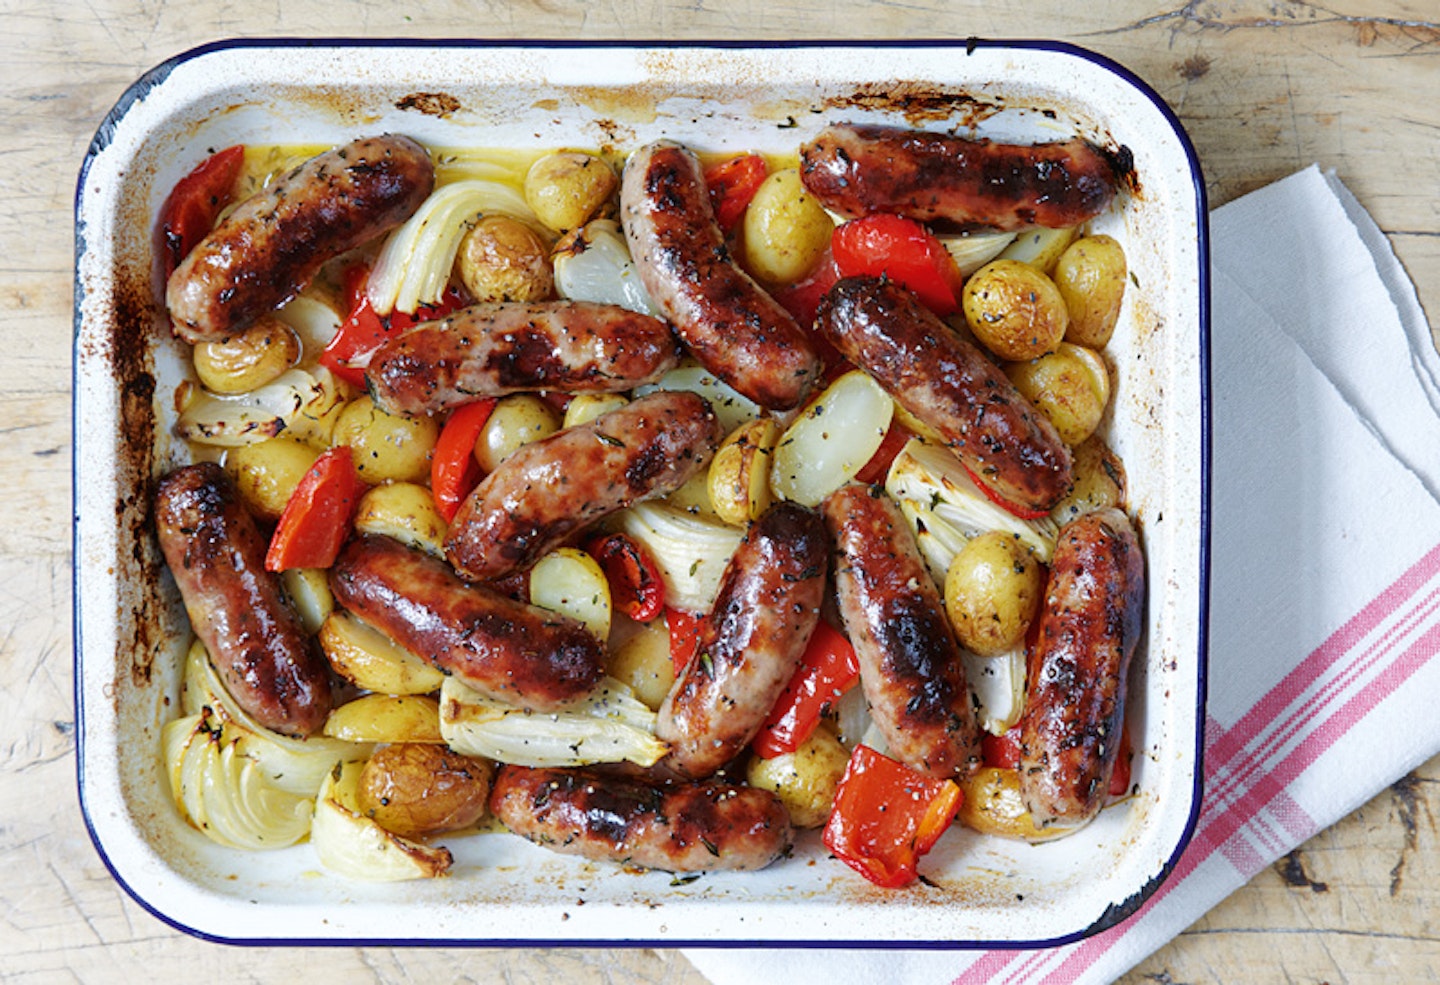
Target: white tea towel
[(1325, 577)]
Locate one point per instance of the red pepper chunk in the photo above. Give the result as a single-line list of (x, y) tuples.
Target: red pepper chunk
[(903, 250), (453, 468), (732, 184), (684, 630), (196, 201), (636, 587), (828, 669), (317, 516), (878, 467), (1002, 751), (886, 816), (362, 332)]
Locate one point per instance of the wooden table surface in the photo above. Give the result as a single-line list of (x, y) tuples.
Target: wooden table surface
[(1265, 87)]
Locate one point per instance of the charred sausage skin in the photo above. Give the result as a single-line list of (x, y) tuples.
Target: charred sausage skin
[(547, 491), (1089, 627), (675, 828), (268, 664), (729, 323), (910, 664), (952, 386), (518, 653), (274, 243), (941, 178), (751, 643), (492, 349)]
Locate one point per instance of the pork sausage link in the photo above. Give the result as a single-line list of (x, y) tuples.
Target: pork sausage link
[(273, 244), (949, 384), (677, 828), (936, 177), (521, 654), (1089, 627), (269, 665), (491, 349), (750, 644), (727, 320), (546, 491), (910, 664)]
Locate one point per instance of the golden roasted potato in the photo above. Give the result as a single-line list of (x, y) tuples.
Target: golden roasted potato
[(386, 446), (1090, 275), (739, 477), (992, 805), (405, 511), (372, 661), (249, 360), (585, 407), (1014, 310), (991, 592), (805, 780), (785, 230), (267, 472), (416, 789), (567, 189), (309, 592), (386, 718), (502, 259), (516, 420), (1099, 481), (643, 662), (1070, 386)]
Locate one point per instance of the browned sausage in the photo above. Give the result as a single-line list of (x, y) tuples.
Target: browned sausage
[(937, 177), (546, 491), (949, 384), (269, 665), (274, 243), (1089, 627), (731, 325), (517, 653), (491, 349), (751, 642), (910, 664), (676, 828)]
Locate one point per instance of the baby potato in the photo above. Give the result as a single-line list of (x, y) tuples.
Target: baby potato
[(502, 259), (568, 188), (386, 718), (785, 230), (1070, 386), (1099, 481), (1014, 310), (405, 511), (249, 360), (991, 592), (516, 420), (267, 472), (992, 805), (739, 478), (414, 789), (805, 780), (643, 662), (386, 446), (585, 407), (372, 661), (1090, 275)]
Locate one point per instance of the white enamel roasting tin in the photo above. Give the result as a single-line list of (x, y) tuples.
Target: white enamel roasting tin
[(130, 629)]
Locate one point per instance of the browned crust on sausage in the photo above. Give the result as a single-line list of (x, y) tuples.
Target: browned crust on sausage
[(938, 177), (1089, 627), (517, 653), (751, 643), (549, 490), (269, 665), (496, 348), (732, 326), (910, 662), (677, 828), (273, 244), (950, 385)]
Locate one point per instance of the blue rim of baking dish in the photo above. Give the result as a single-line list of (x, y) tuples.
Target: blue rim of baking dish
[(1114, 914)]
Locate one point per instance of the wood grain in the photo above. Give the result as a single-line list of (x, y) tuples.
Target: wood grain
[(1264, 88)]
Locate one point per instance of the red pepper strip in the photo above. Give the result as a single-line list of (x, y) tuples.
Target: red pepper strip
[(827, 670), (886, 816), (453, 469), (733, 183), (190, 211), (878, 467), (317, 516), (1023, 512), (684, 637), (903, 250), (349, 351), (636, 587)]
